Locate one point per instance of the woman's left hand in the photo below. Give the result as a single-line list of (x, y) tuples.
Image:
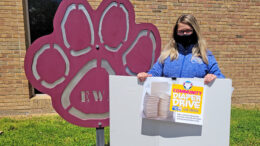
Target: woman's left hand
[(209, 78)]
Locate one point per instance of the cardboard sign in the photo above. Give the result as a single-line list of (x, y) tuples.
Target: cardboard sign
[(145, 132), (187, 101), (177, 101)]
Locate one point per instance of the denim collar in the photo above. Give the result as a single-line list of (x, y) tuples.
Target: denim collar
[(186, 49)]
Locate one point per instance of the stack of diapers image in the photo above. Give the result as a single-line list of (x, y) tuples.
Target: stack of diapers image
[(156, 103), (151, 106)]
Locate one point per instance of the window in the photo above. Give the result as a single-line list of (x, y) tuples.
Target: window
[(39, 16)]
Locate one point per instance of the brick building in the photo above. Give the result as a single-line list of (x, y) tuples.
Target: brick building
[(231, 28)]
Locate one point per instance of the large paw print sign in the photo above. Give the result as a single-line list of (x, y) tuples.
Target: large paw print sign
[(72, 64)]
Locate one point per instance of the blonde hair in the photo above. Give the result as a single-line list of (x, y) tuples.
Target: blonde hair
[(199, 49)]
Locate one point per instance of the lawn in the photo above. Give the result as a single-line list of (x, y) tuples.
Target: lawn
[(53, 130), (46, 130), (245, 127)]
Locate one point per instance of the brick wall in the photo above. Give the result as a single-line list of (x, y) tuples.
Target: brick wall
[(231, 28), (14, 96)]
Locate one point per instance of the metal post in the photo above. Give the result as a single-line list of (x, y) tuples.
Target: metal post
[(100, 136)]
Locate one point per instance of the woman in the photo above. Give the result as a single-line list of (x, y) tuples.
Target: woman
[(186, 55)]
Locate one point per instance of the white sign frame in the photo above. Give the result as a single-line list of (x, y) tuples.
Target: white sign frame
[(128, 128)]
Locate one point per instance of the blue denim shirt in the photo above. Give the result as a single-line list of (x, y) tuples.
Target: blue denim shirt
[(186, 65)]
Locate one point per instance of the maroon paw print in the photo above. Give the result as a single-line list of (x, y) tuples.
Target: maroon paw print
[(72, 64)]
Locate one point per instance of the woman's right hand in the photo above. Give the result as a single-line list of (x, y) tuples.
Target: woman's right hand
[(142, 76)]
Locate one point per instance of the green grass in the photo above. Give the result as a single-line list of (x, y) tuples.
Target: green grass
[(245, 127), (46, 130), (53, 130)]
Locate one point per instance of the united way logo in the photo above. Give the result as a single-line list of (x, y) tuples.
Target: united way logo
[(72, 64), (187, 85), (176, 108)]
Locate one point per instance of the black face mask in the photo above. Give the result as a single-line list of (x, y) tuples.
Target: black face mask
[(186, 40)]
